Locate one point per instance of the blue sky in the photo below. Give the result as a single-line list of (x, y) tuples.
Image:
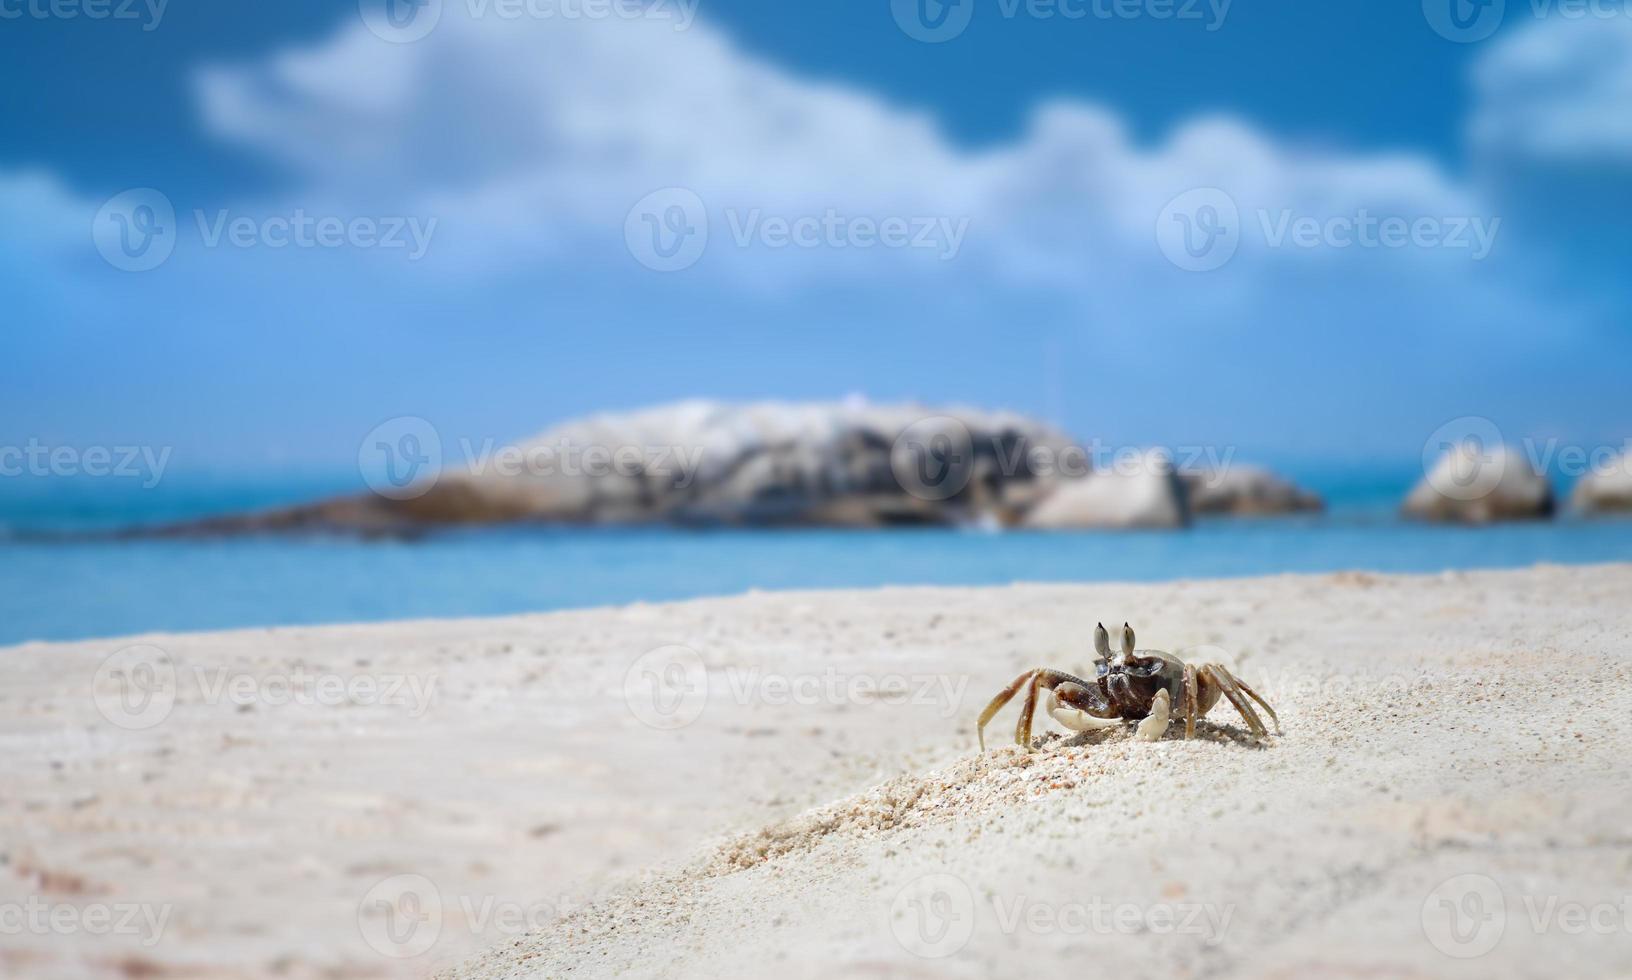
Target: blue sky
[(1061, 148)]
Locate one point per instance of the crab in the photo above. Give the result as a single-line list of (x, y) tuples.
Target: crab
[(1134, 685)]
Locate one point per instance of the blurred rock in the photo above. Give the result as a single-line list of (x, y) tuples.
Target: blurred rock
[(850, 464), (1607, 490), (1140, 493), (1475, 485), (1245, 491)]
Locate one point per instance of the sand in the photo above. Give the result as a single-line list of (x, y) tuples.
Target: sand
[(789, 783)]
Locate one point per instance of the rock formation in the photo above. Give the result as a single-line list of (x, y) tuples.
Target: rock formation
[(1473, 484)]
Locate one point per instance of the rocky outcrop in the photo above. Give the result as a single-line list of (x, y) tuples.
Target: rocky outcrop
[(1136, 493), (847, 464), (1242, 491), (851, 464), (1607, 490), (1472, 484)]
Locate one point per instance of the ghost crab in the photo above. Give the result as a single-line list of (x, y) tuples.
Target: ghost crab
[(1134, 685)]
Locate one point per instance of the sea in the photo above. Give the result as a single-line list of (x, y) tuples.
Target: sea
[(99, 588)]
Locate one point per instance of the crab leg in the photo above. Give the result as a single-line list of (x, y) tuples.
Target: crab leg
[(1022, 728), (1003, 697), (1225, 683), (1192, 699), (1254, 695)]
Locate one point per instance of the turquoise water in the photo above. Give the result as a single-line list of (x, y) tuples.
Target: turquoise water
[(94, 589)]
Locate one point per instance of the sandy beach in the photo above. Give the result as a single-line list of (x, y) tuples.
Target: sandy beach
[(790, 782)]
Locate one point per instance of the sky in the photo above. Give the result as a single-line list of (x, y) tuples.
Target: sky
[(252, 233)]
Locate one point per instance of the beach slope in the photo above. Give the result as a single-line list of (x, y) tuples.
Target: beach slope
[(790, 783)]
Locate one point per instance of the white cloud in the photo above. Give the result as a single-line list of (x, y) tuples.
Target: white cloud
[(1558, 92), (537, 136)]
